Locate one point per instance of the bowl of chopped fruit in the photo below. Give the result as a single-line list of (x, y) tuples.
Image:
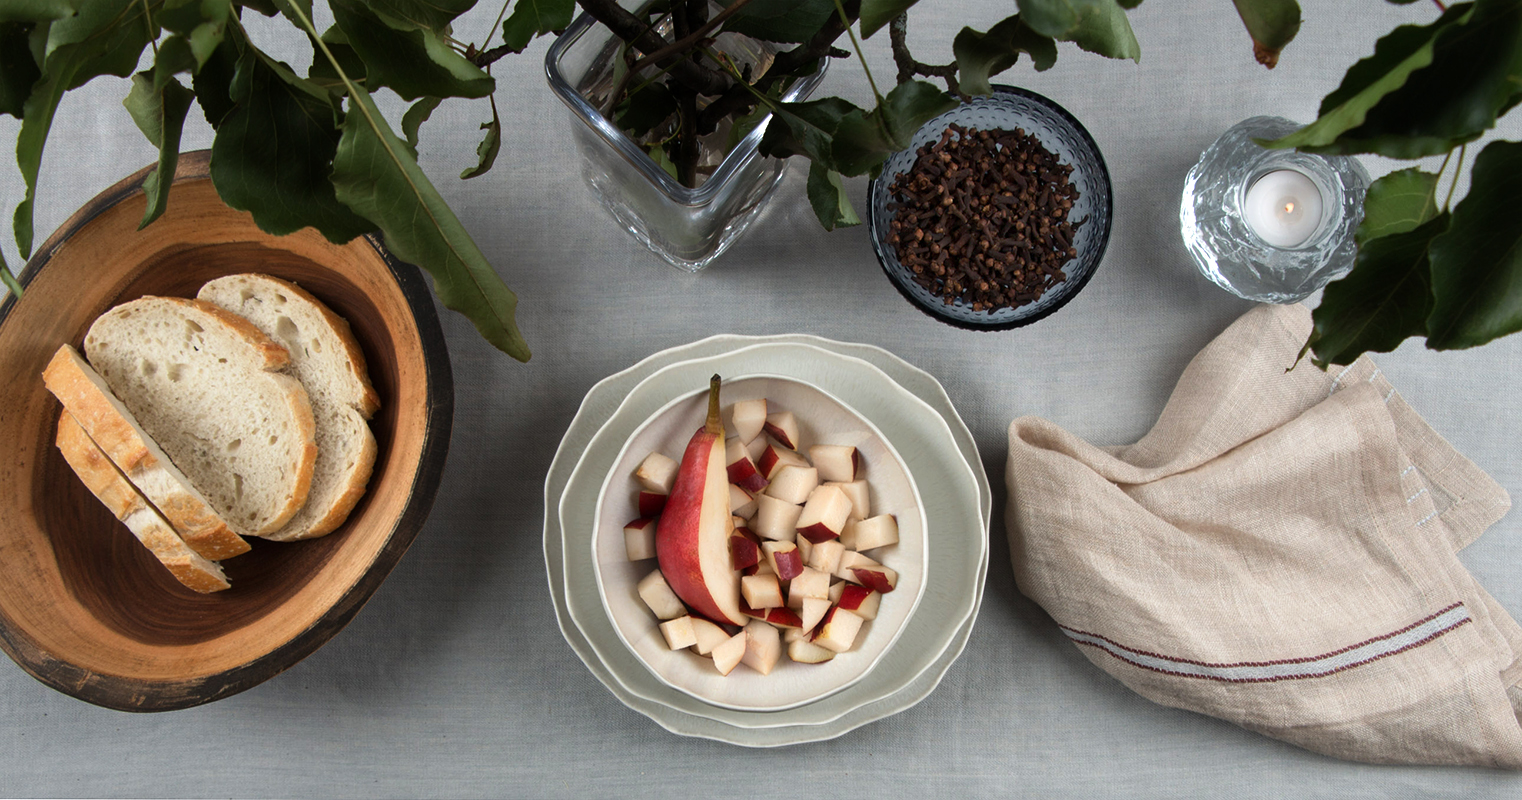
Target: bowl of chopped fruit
[(759, 544)]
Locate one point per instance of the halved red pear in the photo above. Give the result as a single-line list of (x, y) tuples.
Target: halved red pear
[(692, 540)]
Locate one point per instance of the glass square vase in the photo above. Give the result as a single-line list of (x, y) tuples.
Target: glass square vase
[(687, 227)]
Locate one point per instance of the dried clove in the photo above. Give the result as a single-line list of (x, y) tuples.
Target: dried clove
[(982, 218)]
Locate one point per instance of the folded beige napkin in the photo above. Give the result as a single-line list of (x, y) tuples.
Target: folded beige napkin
[(1279, 552)]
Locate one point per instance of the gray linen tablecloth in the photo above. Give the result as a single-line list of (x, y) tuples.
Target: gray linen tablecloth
[(454, 680)]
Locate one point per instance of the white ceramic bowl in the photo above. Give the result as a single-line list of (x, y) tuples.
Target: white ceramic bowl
[(823, 419), (958, 508)]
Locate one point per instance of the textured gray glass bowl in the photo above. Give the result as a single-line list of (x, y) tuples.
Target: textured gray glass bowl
[(1007, 108), (688, 227)]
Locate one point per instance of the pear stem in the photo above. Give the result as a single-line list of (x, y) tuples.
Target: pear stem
[(712, 424)]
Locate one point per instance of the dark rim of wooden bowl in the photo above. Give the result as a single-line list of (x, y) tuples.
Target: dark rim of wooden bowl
[(131, 694)]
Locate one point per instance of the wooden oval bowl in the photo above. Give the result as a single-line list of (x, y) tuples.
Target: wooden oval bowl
[(84, 608)]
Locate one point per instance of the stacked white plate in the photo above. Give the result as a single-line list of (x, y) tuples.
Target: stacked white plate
[(911, 411)]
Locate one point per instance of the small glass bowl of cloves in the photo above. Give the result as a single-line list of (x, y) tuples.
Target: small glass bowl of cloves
[(996, 215)]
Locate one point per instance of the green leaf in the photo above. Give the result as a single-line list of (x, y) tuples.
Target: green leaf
[(199, 24), (1098, 26), (486, 151), (877, 13), (414, 119), (8, 278), (532, 18), (1382, 302), (324, 74), (980, 55), (1474, 77), (375, 176), (658, 154), (1397, 203), (1272, 24), (273, 153), (781, 20), (641, 111), (864, 140), (744, 124), (36, 10), (411, 62), (106, 37), (159, 111), (827, 194), (1426, 89), (213, 83), (1477, 263), (18, 70), (806, 129), (432, 15), (265, 7)]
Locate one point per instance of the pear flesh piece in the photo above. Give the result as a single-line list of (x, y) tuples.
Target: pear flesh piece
[(692, 539)]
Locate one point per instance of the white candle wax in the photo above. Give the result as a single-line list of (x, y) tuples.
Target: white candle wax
[(1283, 207)]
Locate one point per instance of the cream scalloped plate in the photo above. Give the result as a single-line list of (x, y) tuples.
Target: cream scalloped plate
[(823, 419), (947, 484), (958, 523)]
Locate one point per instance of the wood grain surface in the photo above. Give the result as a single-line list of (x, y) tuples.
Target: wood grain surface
[(87, 610)]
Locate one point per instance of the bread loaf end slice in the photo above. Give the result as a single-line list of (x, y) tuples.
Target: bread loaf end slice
[(328, 361), (106, 482), (114, 430), (206, 384)]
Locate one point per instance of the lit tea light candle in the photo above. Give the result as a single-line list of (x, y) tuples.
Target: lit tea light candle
[(1283, 207)]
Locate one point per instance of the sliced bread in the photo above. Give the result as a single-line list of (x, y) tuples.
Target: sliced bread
[(103, 479), (327, 360), (117, 433), (206, 385)]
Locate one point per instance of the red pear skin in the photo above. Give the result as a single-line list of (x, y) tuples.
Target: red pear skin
[(744, 552), (651, 504), (692, 541), (873, 578)]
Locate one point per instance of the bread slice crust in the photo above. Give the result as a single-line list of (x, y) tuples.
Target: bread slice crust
[(112, 428), (328, 360), (206, 384), (107, 483)]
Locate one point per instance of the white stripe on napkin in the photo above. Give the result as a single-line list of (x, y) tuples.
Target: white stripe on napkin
[(1413, 635)]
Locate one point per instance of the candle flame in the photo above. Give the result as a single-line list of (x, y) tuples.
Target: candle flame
[(1289, 208)]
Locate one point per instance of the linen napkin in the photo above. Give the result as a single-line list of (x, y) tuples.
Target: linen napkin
[(1280, 552)]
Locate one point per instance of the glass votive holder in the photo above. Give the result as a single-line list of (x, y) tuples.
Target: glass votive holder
[(1271, 225)]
